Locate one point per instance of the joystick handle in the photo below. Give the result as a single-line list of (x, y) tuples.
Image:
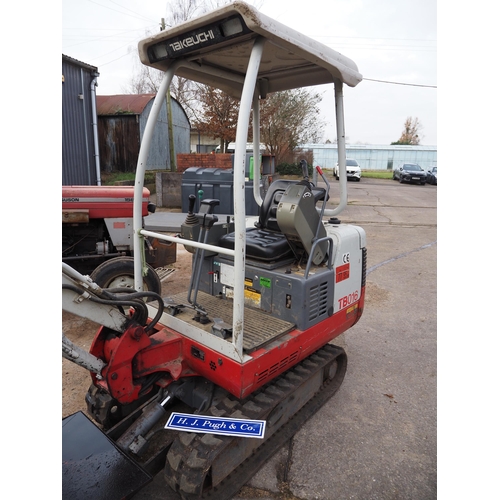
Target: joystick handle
[(192, 201)]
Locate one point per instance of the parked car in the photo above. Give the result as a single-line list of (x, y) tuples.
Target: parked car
[(410, 172), (353, 170), (432, 176)]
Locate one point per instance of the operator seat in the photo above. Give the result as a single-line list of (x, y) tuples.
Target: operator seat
[(265, 242)]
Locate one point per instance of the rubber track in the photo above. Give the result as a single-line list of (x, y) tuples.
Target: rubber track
[(191, 455)]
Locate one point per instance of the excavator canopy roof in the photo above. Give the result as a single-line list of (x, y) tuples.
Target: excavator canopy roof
[(215, 49)]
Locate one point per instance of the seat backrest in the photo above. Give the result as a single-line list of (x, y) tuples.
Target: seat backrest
[(300, 222), (268, 209)]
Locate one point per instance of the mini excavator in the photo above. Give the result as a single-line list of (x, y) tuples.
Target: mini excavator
[(249, 342)]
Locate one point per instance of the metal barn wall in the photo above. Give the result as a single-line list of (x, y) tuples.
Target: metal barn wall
[(158, 157), (182, 128), (159, 153), (371, 157), (78, 149)]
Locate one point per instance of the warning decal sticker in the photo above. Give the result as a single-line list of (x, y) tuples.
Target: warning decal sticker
[(342, 273)]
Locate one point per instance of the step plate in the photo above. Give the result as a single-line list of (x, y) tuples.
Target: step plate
[(260, 327)]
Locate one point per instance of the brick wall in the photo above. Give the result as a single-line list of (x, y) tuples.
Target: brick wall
[(205, 160)]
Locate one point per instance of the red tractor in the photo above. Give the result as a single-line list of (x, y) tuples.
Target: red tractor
[(97, 235)]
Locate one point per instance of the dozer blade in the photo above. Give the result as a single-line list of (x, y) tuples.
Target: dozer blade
[(93, 466)]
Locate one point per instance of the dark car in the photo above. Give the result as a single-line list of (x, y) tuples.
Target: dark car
[(432, 176), (410, 172)]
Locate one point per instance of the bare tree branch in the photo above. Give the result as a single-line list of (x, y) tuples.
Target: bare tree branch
[(290, 118), (410, 134)]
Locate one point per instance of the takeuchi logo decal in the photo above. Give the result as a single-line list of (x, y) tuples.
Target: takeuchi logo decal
[(190, 41)]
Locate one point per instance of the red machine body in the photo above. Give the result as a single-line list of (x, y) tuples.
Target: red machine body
[(177, 356)]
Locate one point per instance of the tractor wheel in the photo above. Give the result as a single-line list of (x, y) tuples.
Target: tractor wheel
[(119, 273)]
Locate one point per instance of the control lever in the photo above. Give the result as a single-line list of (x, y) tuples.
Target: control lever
[(207, 206), (191, 219), (192, 201), (207, 219)]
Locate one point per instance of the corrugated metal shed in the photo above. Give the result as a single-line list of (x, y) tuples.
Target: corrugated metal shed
[(122, 120), (121, 104), (79, 150)]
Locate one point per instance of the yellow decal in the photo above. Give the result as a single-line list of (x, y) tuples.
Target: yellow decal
[(252, 296), (351, 310)]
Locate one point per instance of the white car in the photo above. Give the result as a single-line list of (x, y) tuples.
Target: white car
[(353, 170)]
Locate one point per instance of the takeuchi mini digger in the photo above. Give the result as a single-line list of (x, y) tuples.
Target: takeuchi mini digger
[(248, 343)]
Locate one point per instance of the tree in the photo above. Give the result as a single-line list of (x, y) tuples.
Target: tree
[(290, 118), (146, 80), (218, 115), (410, 134), (179, 11)]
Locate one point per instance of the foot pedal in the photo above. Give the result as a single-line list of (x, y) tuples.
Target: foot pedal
[(222, 329), (172, 307)]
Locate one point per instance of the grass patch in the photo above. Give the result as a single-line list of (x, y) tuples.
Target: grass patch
[(376, 174), (110, 178), (366, 174)]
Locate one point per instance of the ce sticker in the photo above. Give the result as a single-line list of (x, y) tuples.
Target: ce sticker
[(345, 258)]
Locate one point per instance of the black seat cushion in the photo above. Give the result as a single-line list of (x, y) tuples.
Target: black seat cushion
[(261, 244), (265, 241)]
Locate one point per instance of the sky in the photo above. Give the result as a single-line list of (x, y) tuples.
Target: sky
[(393, 43)]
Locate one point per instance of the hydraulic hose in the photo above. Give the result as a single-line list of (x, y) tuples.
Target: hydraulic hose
[(132, 294), (140, 308)]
